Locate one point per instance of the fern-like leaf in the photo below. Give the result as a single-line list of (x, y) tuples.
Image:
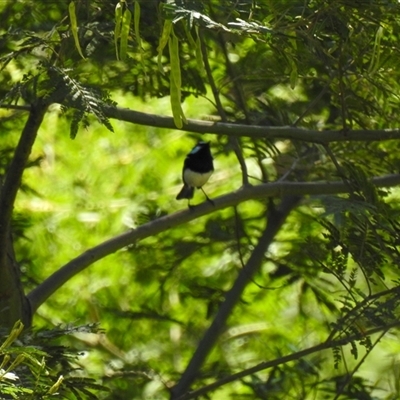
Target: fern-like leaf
[(83, 100)]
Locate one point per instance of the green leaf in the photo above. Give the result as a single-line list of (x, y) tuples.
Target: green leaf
[(74, 27), (118, 25), (376, 52), (175, 82), (293, 75), (163, 42), (126, 23), (199, 55), (136, 24)]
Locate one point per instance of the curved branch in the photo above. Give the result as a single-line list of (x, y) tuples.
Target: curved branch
[(276, 189), (254, 131)]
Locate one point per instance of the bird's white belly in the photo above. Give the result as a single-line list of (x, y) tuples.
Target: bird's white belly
[(196, 179)]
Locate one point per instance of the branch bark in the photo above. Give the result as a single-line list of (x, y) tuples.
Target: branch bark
[(276, 189), (13, 304), (275, 221), (253, 131)]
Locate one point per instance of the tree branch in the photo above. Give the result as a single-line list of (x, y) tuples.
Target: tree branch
[(43, 291), (275, 221), (14, 173), (13, 303), (254, 131)]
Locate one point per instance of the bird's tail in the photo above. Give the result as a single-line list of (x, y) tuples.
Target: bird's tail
[(186, 192)]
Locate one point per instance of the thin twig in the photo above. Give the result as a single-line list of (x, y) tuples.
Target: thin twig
[(234, 141)]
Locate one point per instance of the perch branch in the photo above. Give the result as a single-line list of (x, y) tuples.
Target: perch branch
[(43, 291)]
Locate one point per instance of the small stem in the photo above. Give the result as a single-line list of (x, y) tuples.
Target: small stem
[(234, 141)]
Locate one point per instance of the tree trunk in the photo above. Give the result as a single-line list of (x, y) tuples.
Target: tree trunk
[(14, 305)]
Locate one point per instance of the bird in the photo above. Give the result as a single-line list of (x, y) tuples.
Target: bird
[(197, 169)]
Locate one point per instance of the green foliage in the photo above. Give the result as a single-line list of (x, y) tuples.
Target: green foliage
[(330, 276), (80, 100), (35, 366)]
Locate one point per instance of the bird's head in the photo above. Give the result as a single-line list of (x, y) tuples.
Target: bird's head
[(199, 146)]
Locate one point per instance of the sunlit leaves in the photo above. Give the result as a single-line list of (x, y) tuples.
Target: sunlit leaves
[(33, 365), (249, 26), (125, 28), (163, 41), (320, 66), (137, 26), (377, 50), (80, 99), (118, 27), (175, 82), (190, 17)]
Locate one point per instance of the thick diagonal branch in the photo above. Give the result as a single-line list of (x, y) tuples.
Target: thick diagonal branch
[(275, 221)]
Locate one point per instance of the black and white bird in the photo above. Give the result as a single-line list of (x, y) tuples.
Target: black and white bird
[(197, 169)]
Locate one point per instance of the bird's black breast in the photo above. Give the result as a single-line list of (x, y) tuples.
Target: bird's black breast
[(199, 161)]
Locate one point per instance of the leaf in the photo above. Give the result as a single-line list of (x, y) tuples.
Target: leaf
[(74, 27), (196, 45), (376, 52), (136, 23), (163, 42), (199, 55), (175, 82), (118, 25), (293, 75), (126, 22), (80, 99)]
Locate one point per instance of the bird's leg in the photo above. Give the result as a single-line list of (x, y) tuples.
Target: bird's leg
[(189, 205), (208, 199)]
